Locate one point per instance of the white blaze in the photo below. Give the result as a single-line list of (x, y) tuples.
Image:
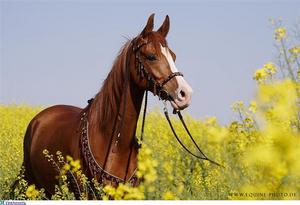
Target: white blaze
[(180, 80)]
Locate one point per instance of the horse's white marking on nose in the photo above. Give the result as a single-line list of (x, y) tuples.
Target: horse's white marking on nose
[(182, 84), (166, 52)]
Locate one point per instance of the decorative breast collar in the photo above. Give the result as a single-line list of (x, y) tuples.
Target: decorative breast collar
[(95, 170)]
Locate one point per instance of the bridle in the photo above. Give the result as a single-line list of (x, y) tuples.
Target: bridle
[(164, 95), (94, 168), (158, 87)]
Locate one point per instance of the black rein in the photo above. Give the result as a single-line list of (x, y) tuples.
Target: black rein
[(164, 95)]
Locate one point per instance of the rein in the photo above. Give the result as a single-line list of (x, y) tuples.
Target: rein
[(203, 157), (164, 95)]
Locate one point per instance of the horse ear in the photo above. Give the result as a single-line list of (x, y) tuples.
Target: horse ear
[(164, 29), (149, 27)]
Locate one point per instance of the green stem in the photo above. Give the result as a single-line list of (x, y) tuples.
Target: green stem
[(242, 119), (297, 61), (287, 61)]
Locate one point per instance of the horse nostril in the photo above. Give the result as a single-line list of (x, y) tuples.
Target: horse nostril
[(182, 93)]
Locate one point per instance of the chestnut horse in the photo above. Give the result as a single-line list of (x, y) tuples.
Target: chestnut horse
[(102, 135)]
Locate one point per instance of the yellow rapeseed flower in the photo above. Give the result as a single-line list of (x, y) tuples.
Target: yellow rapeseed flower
[(295, 50), (71, 164), (211, 121), (238, 105), (270, 68), (66, 167), (260, 75), (180, 188), (233, 126), (252, 107), (280, 33), (32, 192), (168, 196), (146, 165), (298, 73), (69, 158), (75, 165), (108, 189)]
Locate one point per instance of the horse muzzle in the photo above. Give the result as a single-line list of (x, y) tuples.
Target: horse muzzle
[(182, 98)]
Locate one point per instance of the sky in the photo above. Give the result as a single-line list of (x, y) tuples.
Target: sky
[(59, 52)]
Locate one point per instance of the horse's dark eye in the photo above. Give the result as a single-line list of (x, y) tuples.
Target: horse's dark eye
[(151, 57)]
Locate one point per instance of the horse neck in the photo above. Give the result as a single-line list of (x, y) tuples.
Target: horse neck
[(103, 132), (128, 115)]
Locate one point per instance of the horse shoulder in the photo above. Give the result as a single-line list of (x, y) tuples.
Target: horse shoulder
[(56, 126)]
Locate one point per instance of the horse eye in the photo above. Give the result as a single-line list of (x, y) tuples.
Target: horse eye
[(151, 57)]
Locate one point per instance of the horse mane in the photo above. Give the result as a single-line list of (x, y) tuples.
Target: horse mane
[(107, 101)]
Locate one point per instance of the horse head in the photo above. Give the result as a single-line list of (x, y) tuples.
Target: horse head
[(155, 68)]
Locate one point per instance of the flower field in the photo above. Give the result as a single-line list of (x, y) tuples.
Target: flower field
[(259, 151)]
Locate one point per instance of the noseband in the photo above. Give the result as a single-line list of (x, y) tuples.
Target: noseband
[(144, 73)]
